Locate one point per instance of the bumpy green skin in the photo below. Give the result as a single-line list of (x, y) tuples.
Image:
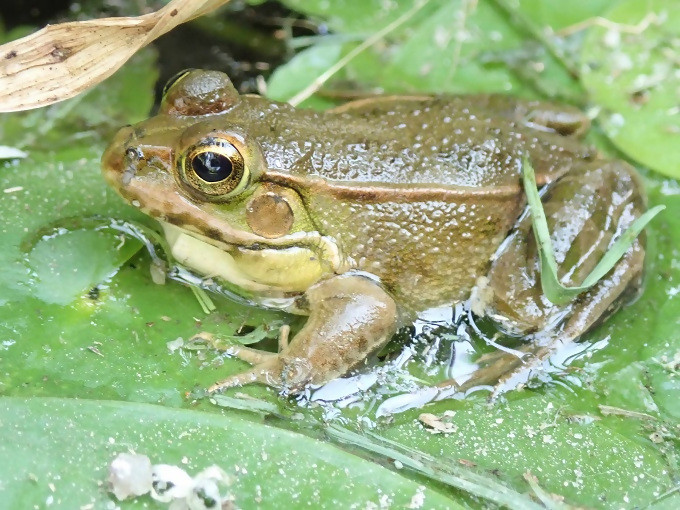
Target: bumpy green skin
[(418, 191)]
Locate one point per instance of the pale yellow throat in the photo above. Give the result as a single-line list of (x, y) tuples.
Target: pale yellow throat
[(263, 271)]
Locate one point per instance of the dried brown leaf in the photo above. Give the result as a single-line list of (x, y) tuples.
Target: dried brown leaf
[(60, 61)]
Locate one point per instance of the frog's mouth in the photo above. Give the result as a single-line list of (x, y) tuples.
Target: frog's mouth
[(210, 245)]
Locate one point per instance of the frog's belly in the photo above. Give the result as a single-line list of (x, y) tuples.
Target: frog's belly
[(427, 253)]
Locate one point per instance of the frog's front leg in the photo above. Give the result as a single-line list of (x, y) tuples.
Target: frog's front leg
[(586, 210), (350, 316)]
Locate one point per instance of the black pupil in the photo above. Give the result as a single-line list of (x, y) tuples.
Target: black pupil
[(211, 166)]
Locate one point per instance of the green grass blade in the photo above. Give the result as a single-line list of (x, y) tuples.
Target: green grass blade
[(620, 247), (552, 288), (436, 469)]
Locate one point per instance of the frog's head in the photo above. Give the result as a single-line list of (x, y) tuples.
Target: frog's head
[(195, 168)]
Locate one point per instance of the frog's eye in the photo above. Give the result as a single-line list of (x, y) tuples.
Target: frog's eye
[(214, 168), (174, 79)]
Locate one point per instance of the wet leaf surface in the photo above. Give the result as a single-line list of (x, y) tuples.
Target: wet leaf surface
[(72, 442), (632, 74)]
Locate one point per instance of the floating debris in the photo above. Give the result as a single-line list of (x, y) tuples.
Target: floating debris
[(132, 475)]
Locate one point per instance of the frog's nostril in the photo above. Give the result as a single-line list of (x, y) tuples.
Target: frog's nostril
[(115, 155)]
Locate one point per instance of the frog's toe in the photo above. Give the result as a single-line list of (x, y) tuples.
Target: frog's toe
[(508, 371), (290, 375), (504, 371), (242, 352), (267, 373), (250, 355), (234, 381), (495, 370)]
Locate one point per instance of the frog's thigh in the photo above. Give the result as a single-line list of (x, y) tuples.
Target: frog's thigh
[(350, 316), (585, 209), (511, 369)]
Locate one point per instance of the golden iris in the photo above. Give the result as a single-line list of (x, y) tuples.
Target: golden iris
[(214, 168)]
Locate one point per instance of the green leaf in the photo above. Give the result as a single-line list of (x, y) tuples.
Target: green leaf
[(301, 71), (58, 272), (71, 444), (351, 15), (464, 35), (552, 288), (559, 15), (630, 70), (436, 468), (458, 46), (562, 439)]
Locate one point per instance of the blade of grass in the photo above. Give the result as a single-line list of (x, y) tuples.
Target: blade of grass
[(441, 470), (552, 287), (379, 35), (435, 469)]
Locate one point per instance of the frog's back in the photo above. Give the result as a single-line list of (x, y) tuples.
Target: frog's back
[(466, 141), (418, 191)]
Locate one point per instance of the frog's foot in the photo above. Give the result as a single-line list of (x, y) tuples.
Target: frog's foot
[(242, 352), (541, 115), (267, 367), (586, 211), (267, 372), (350, 316), (508, 370)]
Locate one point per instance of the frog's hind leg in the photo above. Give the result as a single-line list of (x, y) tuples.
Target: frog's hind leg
[(586, 211)]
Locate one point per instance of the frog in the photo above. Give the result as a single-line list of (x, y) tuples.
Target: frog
[(364, 215)]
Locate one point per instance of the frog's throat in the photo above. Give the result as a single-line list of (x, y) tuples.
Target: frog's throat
[(272, 271)]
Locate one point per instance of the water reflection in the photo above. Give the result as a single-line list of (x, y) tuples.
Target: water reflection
[(447, 348)]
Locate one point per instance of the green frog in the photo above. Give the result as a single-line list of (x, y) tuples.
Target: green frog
[(362, 216)]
